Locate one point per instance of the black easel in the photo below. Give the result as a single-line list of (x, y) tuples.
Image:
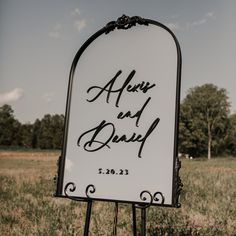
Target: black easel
[(114, 233), (90, 189), (143, 220), (88, 217)]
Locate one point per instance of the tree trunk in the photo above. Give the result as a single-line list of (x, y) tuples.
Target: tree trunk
[(209, 141), (209, 148)]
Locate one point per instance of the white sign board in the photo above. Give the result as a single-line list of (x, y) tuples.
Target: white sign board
[(121, 120)]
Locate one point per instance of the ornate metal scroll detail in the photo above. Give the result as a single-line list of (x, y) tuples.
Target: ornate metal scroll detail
[(70, 188), (159, 198), (178, 183), (145, 195), (125, 22), (90, 190)]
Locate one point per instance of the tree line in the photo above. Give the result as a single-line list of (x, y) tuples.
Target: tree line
[(46, 133), (206, 126)]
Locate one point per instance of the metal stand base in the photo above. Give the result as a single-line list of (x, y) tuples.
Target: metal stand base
[(143, 220), (114, 233), (115, 220), (134, 220), (88, 217)]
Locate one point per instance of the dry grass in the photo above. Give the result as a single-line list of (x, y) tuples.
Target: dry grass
[(28, 165), (29, 208)]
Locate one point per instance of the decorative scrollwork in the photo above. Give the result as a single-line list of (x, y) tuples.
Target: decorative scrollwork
[(144, 196), (159, 197), (147, 193), (90, 190), (147, 196), (69, 188), (125, 22)]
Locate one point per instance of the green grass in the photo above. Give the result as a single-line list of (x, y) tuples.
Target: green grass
[(27, 205)]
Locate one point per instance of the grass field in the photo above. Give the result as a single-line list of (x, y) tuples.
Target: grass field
[(27, 205)]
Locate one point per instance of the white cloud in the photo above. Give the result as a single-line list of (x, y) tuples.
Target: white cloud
[(48, 97), (75, 12), (11, 96), (173, 26), (199, 22), (56, 31), (208, 16), (80, 24)]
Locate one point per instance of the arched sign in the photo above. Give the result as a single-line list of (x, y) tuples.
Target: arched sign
[(120, 140)]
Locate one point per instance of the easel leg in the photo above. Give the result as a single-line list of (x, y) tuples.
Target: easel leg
[(88, 216), (134, 220), (143, 221), (115, 220)]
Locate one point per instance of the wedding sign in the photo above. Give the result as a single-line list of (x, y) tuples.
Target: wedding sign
[(120, 140)]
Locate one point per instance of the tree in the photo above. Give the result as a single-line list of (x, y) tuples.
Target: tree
[(26, 133), (203, 119), (45, 134), (50, 132), (57, 128), (231, 138), (9, 127), (35, 133)]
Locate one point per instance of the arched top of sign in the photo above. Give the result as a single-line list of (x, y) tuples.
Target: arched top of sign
[(125, 22), (121, 125)]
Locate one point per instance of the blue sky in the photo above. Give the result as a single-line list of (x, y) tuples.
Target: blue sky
[(38, 41)]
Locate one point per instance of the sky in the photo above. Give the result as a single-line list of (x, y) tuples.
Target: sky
[(39, 39)]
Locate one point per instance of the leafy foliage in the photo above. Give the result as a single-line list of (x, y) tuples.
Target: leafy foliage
[(50, 132), (9, 127), (204, 121), (43, 134), (230, 144)]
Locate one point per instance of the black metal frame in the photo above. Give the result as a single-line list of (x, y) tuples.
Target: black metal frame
[(122, 23)]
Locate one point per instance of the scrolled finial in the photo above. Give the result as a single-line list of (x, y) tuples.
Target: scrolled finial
[(125, 22)]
